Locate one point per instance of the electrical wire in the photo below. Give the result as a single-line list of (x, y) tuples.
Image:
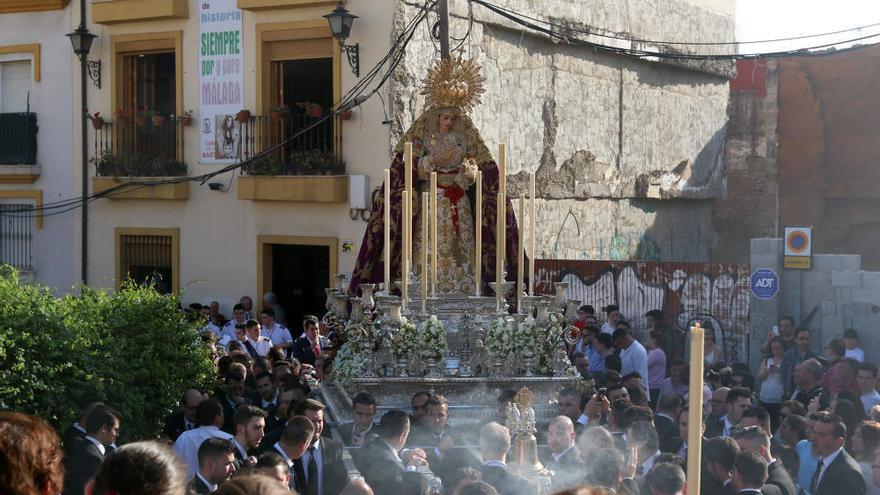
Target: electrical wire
[(395, 55), (685, 43), (805, 51)]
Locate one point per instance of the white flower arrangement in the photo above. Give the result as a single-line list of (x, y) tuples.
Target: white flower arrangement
[(499, 339), (432, 338), (347, 364), (405, 342), (528, 338)]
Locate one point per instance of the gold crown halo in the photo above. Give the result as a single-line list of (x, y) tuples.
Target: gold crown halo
[(453, 82)]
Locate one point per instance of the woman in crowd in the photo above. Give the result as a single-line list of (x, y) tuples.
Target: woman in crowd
[(712, 352), (772, 388), (30, 456), (656, 363), (864, 447)]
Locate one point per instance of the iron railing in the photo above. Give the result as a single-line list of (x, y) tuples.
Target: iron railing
[(311, 153), (147, 260), (18, 138), (16, 234), (139, 147)]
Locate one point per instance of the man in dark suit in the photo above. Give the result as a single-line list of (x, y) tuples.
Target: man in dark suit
[(184, 419), (83, 459), (380, 463), (754, 439), (296, 438), (749, 474), (719, 458), (668, 408), (308, 347), (249, 423), (364, 410), (837, 472), (321, 465), (665, 479), (565, 458), (267, 398), (233, 395), (441, 442), (216, 464), (494, 444)]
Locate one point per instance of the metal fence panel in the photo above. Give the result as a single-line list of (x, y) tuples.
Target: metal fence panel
[(714, 292), (16, 234)]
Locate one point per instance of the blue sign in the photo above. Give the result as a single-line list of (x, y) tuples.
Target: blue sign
[(764, 283)]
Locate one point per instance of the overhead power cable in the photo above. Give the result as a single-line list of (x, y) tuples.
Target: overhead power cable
[(561, 36)]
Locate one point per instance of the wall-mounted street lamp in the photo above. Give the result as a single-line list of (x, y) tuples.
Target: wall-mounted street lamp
[(82, 39), (340, 25)]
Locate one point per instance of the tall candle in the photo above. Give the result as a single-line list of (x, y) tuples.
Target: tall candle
[(425, 221), (502, 203), (695, 411), (433, 234), (408, 170), (388, 231), (533, 234), (404, 254), (499, 255), (520, 267), (478, 235)]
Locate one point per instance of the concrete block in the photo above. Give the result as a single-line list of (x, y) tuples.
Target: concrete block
[(868, 296), (871, 280), (766, 261), (766, 246), (843, 294), (846, 279), (829, 309), (827, 262), (851, 261)]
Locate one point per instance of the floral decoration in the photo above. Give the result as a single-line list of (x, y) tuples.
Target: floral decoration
[(528, 339), (432, 338), (405, 342), (499, 339), (347, 364)]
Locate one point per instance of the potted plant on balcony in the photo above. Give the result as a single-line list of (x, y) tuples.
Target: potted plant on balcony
[(243, 116), (157, 119), (140, 118), (311, 109), (186, 118), (123, 117), (97, 120), (278, 112)]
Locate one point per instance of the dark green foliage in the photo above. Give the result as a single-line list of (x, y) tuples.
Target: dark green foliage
[(134, 349)]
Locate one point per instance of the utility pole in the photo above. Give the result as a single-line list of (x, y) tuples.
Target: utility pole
[(443, 12)]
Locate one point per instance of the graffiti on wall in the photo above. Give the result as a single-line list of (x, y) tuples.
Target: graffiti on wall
[(713, 292)]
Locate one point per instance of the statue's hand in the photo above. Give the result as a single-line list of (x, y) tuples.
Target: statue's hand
[(467, 172), (426, 166)]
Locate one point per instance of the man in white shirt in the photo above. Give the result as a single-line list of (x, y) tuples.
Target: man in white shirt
[(209, 415), (256, 344), (216, 465), (227, 335), (612, 318), (867, 381), (274, 331), (633, 356)]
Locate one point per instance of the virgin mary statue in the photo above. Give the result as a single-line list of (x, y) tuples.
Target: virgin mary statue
[(445, 141)]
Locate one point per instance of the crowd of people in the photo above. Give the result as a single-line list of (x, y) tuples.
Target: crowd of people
[(802, 423)]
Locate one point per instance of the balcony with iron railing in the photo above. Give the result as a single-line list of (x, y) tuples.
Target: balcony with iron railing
[(306, 165), (135, 147), (18, 148)]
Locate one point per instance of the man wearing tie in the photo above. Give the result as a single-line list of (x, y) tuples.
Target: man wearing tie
[(320, 468), (308, 347), (749, 473), (294, 441), (256, 344), (836, 471), (353, 434), (82, 461)]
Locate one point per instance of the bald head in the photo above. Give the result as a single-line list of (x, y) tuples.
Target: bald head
[(190, 401), (357, 487), (494, 442), (560, 434), (719, 401)]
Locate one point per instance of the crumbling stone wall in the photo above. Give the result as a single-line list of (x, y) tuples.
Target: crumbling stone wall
[(631, 150)]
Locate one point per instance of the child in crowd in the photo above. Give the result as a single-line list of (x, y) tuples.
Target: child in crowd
[(851, 341)]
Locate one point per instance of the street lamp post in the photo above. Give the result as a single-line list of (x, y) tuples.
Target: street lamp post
[(81, 39)]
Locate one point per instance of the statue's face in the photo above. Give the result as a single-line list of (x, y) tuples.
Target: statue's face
[(446, 120)]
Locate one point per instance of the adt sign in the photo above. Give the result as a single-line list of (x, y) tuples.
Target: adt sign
[(764, 283)]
